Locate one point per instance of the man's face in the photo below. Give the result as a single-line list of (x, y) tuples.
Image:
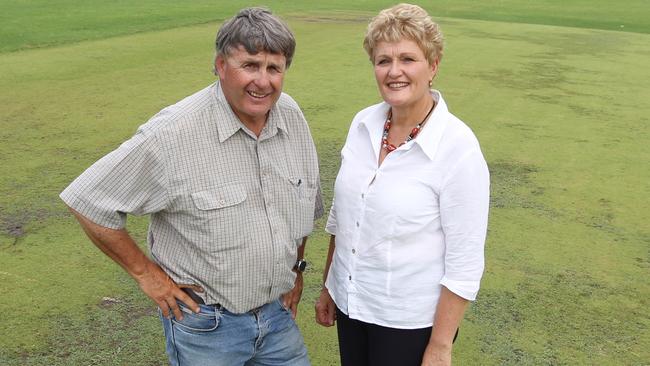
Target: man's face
[(251, 83)]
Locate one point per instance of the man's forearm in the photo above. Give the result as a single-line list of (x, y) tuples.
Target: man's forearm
[(301, 248), (117, 244), (154, 282)]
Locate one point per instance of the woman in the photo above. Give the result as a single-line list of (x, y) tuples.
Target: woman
[(409, 216)]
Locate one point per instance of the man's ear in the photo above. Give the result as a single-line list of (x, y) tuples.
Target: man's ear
[(219, 65)]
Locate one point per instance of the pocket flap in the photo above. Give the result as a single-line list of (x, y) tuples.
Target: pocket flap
[(219, 198)]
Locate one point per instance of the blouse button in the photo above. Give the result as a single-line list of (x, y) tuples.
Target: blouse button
[(350, 278), (357, 223), (353, 251)]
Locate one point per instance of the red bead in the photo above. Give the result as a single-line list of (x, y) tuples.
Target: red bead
[(415, 131), (390, 147)]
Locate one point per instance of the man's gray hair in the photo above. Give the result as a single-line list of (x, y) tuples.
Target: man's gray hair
[(257, 30)]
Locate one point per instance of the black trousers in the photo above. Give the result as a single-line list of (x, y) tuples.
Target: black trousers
[(365, 344)]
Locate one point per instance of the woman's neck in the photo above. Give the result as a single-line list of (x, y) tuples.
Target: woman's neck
[(409, 116)]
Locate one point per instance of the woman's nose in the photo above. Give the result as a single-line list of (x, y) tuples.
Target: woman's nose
[(394, 69)]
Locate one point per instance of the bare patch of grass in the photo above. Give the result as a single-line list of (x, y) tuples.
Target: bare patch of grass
[(122, 332)]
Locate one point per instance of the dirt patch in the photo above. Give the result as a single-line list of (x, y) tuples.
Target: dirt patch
[(15, 230), (509, 181), (108, 302), (498, 313), (15, 224)]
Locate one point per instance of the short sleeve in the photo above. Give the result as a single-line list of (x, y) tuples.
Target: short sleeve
[(129, 180)]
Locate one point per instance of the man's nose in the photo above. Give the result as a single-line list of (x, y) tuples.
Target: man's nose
[(263, 79)]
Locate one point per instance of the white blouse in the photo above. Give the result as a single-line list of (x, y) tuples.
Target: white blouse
[(411, 225)]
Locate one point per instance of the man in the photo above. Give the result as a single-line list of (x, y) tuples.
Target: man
[(230, 178)]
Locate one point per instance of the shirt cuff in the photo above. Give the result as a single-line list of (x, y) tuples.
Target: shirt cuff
[(111, 220), (465, 289)]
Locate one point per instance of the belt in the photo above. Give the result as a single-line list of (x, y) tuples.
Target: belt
[(197, 299)]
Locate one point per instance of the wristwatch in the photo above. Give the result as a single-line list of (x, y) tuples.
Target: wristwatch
[(300, 266)]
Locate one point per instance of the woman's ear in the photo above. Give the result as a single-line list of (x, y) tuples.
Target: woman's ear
[(434, 68)]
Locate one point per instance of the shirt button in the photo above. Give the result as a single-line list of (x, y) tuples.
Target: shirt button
[(357, 223), (353, 251), (222, 202), (350, 278)]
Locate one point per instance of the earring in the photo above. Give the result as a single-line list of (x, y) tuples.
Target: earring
[(430, 83)]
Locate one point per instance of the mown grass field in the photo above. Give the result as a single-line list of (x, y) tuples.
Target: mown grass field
[(557, 93)]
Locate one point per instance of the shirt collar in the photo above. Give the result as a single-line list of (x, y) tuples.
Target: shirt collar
[(430, 136), (373, 123), (274, 123), (226, 127), (428, 139)]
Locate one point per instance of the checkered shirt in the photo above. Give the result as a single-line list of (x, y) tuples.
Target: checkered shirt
[(228, 209)]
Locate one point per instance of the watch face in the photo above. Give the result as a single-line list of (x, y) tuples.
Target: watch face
[(300, 265)]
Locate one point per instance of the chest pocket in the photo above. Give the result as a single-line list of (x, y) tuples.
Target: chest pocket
[(219, 219), (219, 198), (302, 204)]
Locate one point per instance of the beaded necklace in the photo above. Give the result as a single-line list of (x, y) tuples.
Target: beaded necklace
[(414, 132)]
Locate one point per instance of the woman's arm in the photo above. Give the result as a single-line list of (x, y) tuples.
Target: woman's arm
[(464, 205), (325, 308), (449, 314)]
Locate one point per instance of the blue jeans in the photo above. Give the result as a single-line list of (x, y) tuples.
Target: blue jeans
[(266, 336)]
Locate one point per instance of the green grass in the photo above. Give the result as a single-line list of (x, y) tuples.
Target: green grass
[(38, 23), (561, 114)]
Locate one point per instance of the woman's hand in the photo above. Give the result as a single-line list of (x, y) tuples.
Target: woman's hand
[(325, 309), (437, 355)]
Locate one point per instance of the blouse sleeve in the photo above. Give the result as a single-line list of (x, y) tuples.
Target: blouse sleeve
[(330, 227), (464, 204)]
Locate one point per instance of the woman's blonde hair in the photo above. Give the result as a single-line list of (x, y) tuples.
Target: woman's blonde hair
[(405, 21)]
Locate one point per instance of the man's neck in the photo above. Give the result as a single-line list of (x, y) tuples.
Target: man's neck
[(255, 125)]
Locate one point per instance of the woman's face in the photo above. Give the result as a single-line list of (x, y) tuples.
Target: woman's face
[(402, 72)]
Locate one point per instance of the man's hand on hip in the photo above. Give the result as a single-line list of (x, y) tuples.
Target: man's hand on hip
[(291, 299), (156, 284)]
